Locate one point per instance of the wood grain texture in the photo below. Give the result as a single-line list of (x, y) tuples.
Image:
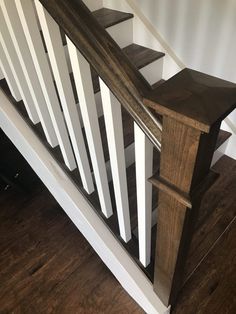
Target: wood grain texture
[(138, 55), (185, 160), (212, 288), (218, 209), (107, 17), (198, 100), (108, 60), (46, 265)]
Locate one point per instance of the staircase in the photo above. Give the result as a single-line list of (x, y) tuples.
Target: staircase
[(90, 111)]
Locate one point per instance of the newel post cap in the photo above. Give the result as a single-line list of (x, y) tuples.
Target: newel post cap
[(194, 98)]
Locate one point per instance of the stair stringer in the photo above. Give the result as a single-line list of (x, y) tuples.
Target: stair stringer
[(130, 276)]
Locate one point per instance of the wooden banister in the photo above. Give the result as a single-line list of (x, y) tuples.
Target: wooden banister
[(193, 105), (106, 57)]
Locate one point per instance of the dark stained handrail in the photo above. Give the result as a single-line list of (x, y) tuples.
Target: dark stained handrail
[(109, 61)]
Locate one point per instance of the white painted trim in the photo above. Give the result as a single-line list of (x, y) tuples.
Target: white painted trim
[(1, 73), (230, 124), (78, 209), (154, 32)]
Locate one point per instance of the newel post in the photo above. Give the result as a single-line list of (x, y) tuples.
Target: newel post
[(192, 105)]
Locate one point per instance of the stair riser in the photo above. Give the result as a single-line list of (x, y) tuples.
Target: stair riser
[(93, 5), (153, 71), (122, 33), (219, 153)]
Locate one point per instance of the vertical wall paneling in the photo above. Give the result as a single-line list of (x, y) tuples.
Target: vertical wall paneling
[(29, 23), (19, 41), (16, 69), (57, 58), (82, 73), (144, 166), (115, 138), (7, 74)]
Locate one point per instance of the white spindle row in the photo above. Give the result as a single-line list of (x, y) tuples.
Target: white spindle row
[(18, 37), (7, 73), (31, 30), (84, 86), (13, 60), (43, 82), (57, 58)]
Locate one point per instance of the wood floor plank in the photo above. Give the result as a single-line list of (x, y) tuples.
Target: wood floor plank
[(46, 265), (212, 289)]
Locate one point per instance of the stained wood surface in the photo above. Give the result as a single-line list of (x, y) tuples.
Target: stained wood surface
[(108, 60), (217, 210), (194, 98), (46, 265), (141, 56), (112, 222), (138, 55), (212, 287), (107, 17), (222, 138)]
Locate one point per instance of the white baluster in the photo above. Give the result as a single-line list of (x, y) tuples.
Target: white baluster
[(88, 109), (20, 44), (29, 23), (7, 73), (16, 69), (115, 138), (57, 58), (144, 168)]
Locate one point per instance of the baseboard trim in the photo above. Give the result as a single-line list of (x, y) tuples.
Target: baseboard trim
[(78, 209)]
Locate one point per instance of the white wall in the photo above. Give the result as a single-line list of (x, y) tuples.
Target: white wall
[(202, 34)]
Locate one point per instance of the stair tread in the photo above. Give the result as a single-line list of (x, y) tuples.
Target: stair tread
[(216, 212), (108, 17), (140, 56), (222, 138), (157, 84)]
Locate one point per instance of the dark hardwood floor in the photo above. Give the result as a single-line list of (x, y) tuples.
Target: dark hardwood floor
[(47, 266)]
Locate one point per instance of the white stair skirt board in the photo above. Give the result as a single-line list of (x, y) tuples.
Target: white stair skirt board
[(18, 37), (115, 139), (78, 209), (7, 74), (84, 87), (16, 70), (57, 58), (144, 169), (1, 72), (29, 23)]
